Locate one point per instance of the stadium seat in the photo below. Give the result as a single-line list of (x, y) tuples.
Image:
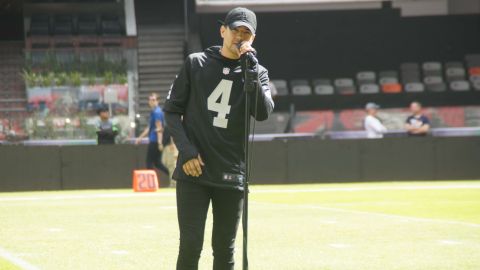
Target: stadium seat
[(391, 88), (111, 25), (435, 84), (432, 69), (40, 25), (387, 77), (472, 60), (414, 87), (409, 67), (322, 87), (300, 87), (474, 71), (460, 86), (282, 87), (364, 77), (455, 74), (411, 76), (476, 85), (344, 86), (369, 88), (63, 25), (87, 24), (454, 65)]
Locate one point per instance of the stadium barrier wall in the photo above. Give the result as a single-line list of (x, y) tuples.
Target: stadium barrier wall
[(24, 168)]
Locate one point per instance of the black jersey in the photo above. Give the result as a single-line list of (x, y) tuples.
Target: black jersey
[(208, 92)]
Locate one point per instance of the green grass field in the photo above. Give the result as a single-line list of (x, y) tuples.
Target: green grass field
[(408, 225)]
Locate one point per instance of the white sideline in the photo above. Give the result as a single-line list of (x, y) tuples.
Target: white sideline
[(253, 190), (327, 189), (17, 261), (408, 218)]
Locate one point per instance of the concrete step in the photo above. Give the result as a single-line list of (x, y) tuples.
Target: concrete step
[(156, 82), (157, 50), (169, 62), (159, 69), (160, 76), (160, 30), (159, 44), (161, 56), (161, 37)]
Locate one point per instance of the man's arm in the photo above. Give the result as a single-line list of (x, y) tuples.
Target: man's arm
[(142, 135), (159, 130), (376, 125), (191, 160), (261, 97)]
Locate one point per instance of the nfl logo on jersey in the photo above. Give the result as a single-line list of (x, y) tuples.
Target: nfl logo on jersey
[(226, 70)]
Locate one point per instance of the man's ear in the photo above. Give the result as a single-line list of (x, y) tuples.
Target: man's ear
[(222, 30), (252, 38)]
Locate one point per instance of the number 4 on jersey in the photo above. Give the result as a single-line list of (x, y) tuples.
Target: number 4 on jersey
[(222, 92)]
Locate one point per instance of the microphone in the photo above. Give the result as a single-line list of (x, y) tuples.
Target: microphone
[(251, 56)]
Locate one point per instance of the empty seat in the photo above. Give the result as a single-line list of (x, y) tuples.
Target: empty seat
[(455, 64), (432, 69), (411, 76), (410, 66), (414, 87), (344, 86), (388, 77), (369, 88), (40, 25), (460, 86), (475, 78), (323, 87), (87, 24), (474, 71), (391, 88), (455, 74), (63, 25), (282, 87), (364, 77), (300, 87), (435, 84), (472, 60), (476, 85), (111, 25)]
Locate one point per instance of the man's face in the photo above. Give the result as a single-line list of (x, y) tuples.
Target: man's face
[(415, 108), (372, 111), (104, 115), (232, 37), (152, 102)]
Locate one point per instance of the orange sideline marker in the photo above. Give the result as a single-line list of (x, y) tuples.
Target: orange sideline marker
[(145, 181)]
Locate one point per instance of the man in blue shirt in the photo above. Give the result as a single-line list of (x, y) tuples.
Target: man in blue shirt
[(155, 135), (417, 124)]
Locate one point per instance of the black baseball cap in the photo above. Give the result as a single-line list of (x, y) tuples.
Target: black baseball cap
[(240, 16)]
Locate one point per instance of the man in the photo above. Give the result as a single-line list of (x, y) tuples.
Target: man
[(106, 130), (208, 93), (417, 124), (154, 130), (374, 127)]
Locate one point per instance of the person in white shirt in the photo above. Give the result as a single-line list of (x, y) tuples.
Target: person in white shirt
[(374, 127)]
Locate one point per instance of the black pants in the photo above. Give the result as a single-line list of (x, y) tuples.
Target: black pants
[(193, 201), (154, 158)]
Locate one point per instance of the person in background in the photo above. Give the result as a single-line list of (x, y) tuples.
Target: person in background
[(374, 127), (154, 130), (106, 130), (417, 124)]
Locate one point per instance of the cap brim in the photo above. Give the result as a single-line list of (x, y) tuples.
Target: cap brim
[(239, 23)]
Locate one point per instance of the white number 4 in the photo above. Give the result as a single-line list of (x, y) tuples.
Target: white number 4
[(222, 92)]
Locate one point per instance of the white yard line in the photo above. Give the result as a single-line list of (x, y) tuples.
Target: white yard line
[(403, 218), (16, 260), (413, 187), (254, 191)]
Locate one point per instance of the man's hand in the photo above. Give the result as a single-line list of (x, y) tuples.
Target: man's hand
[(137, 140), (193, 167)]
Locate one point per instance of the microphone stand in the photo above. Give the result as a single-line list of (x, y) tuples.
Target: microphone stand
[(247, 166)]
